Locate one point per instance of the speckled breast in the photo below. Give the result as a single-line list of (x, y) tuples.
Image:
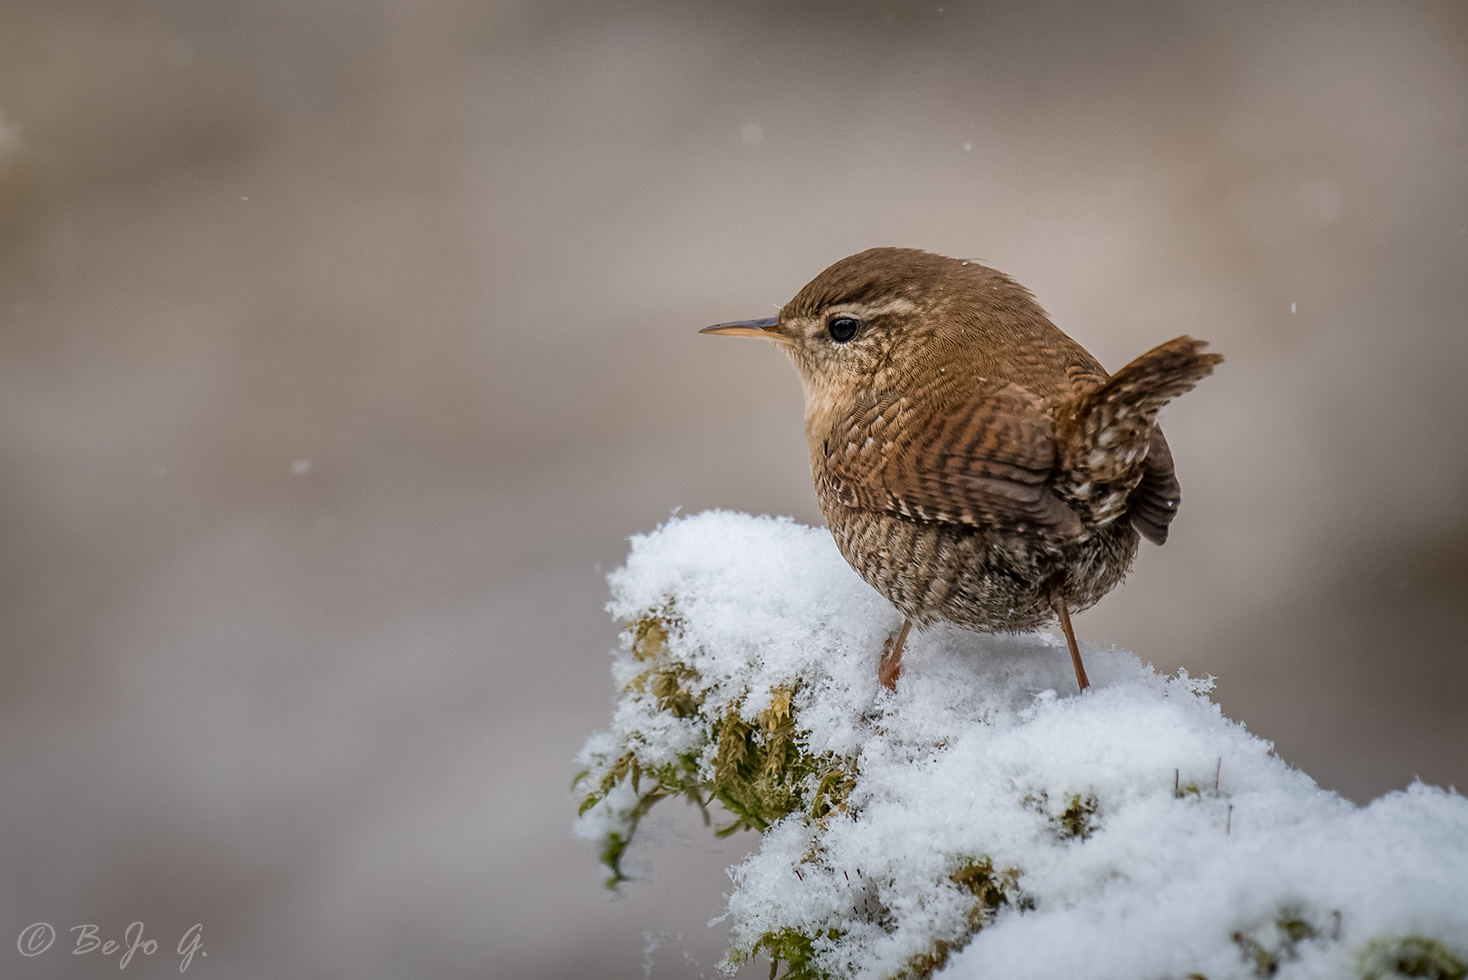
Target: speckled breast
[(978, 578)]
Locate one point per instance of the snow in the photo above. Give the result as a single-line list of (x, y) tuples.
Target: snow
[(987, 757)]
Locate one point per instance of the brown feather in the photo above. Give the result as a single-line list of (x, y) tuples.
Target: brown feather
[(1105, 433), (973, 462), (986, 462), (1155, 501)]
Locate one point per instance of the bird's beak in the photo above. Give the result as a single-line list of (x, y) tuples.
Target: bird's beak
[(763, 329)]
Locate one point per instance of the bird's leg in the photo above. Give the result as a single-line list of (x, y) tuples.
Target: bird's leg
[(891, 664), (1058, 601)]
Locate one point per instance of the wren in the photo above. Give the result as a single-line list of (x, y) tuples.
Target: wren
[(975, 465)]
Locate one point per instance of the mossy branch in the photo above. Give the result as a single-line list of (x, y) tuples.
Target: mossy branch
[(757, 769), (898, 827)]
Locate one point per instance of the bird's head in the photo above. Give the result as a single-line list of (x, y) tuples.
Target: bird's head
[(889, 318)]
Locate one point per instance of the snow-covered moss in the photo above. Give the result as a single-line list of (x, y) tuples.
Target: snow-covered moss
[(984, 820), (1389, 957), (684, 737)]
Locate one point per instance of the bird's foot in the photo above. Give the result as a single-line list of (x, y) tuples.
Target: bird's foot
[(891, 664), (1062, 610)]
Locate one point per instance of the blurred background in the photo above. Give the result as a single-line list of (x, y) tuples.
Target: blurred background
[(343, 344)]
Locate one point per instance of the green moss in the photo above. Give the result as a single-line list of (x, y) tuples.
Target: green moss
[(611, 856), (991, 891), (758, 767), (1265, 960), (671, 688), (1079, 818), (650, 635), (927, 964), (831, 792), (760, 771), (615, 844), (1269, 945), (1295, 928), (1389, 957), (793, 948)]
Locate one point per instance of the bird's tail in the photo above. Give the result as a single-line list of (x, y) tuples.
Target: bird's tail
[(1109, 430)]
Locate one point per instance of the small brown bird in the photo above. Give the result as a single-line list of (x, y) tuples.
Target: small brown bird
[(974, 463)]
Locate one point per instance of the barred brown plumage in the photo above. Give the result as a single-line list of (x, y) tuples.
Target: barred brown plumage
[(975, 464)]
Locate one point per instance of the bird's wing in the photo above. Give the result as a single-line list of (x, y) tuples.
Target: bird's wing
[(983, 461), (1153, 504)]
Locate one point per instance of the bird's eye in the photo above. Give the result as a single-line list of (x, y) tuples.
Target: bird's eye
[(842, 328)]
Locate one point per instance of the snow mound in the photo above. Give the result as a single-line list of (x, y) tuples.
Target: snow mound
[(985, 820)]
